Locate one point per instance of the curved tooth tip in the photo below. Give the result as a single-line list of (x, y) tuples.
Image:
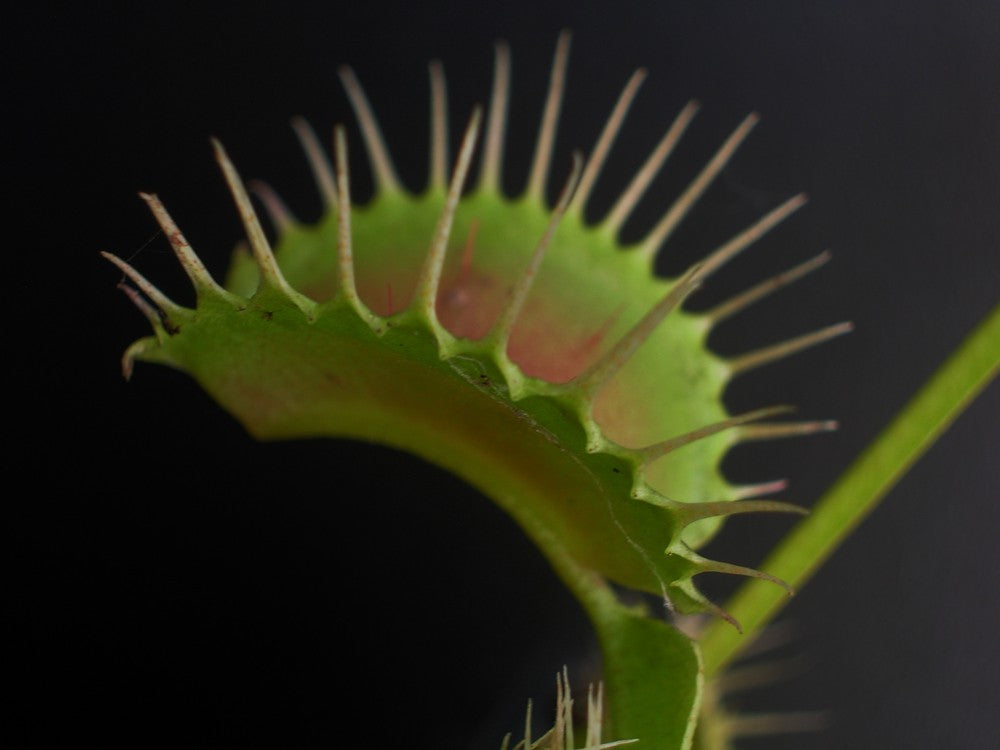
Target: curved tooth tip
[(716, 566), (714, 609), (136, 350), (692, 512)]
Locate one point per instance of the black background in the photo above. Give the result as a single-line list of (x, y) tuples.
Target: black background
[(179, 583)]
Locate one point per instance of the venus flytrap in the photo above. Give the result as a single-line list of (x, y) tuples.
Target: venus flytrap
[(527, 351)]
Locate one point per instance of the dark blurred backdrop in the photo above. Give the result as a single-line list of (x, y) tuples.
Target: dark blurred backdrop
[(178, 582)]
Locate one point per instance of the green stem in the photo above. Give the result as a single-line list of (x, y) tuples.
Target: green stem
[(652, 671), (859, 489)]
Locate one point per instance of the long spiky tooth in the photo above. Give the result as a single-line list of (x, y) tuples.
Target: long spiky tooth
[(753, 676), (148, 311), (550, 118), (657, 450), (717, 566), (559, 729), (267, 266), (691, 512), (439, 125), (688, 587), (614, 359), (527, 727), (726, 252), (595, 718), (628, 200), (200, 278), (345, 255), (378, 154), (784, 349), (757, 292), (568, 711), (493, 144), (277, 211), (745, 491), (166, 305), (319, 164), (505, 323), (785, 429), (430, 277), (792, 722), (611, 129), (665, 227)]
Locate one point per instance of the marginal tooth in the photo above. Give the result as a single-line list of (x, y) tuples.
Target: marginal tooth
[(567, 711), (606, 139), (493, 145), (753, 294), (149, 312), (625, 204), (657, 450), (130, 355), (200, 278), (665, 227), (270, 274), (687, 586), (550, 118), (716, 566), (439, 126), (615, 358), (792, 722), (319, 164), (173, 312), (691, 512), (559, 729), (757, 675), (505, 323), (745, 491), (771, 638), (345, 253), (277, 211), (595, 715), (784, 429), (527, 727), (784, 349), (378, 154), (751, 234), (430, 277)]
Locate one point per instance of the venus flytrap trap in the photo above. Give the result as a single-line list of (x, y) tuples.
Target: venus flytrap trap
[(527, 351)]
